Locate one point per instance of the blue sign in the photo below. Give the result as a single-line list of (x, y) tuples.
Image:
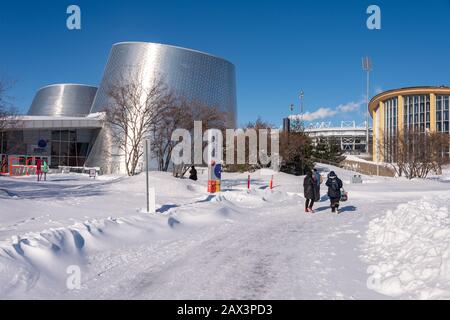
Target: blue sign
[(218, 171), (42, 143)]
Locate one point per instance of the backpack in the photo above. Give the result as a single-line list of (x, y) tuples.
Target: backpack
[(335, 185)]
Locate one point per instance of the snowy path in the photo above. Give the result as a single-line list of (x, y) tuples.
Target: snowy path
[(289, 255)]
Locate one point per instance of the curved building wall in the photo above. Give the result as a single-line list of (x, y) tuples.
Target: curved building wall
[(190, 74), (72, 100), (421, 109)]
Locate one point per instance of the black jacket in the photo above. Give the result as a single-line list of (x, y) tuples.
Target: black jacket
[(334, 185), (193, 174), (308, 188)]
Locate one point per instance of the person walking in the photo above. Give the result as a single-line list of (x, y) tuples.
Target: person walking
[(45, 169), (193, 173), (334, 185), (317, 181), (38, 169), (308, 191)]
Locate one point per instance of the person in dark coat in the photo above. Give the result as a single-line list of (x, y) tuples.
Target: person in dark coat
[(193, 174), (317, 181), (334, 185), (38, 169), (308, 191)]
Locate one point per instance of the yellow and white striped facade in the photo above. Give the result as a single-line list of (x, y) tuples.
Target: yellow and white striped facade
[(420, 108)]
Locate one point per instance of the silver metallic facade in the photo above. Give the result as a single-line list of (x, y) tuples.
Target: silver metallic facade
[(69, 118), (192, 75), (68, 100)]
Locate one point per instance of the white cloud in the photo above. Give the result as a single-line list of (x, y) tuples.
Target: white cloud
[(378, 90), (321, 113), (349, 107)]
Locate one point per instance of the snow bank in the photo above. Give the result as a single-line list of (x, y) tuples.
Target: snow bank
[(39, 260), (409, 250), (46, 255), (358, 159)]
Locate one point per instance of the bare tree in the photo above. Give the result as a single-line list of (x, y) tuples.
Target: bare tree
[(6, 108), (415, 154), (181, 114), (134, 110)]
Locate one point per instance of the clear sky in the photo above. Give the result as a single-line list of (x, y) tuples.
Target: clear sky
[(278, 47)]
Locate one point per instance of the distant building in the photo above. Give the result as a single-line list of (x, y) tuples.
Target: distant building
[(65, 125), (420, 109), (352, 137)]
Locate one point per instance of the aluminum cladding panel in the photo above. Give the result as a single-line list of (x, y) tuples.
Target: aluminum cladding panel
[(70, 100), (192, 75)]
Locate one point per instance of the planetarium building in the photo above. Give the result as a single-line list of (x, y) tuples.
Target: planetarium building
[(65, 123)]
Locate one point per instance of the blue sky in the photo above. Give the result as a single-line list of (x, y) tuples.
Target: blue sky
[(278, 47)]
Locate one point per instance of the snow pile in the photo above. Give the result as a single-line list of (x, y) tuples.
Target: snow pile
[(357, 159), (445, 177), (39, 260), (409, 250), (47, 254)]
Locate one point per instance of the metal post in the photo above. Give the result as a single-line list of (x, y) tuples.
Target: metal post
[(146, 175), (302, 94), (367, 66), (367, 111)]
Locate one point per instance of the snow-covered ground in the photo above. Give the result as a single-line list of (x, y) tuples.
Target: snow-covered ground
[(390, 241)]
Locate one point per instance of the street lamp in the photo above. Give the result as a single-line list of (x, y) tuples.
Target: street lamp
[(301, 96), (367, 66)]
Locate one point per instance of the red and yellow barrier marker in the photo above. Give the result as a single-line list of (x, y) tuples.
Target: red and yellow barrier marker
[(215, 175)]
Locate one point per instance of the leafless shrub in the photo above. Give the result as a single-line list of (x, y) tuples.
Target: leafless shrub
[(415, 154)]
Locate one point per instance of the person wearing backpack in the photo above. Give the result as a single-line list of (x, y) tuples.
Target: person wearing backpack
[(38, 169), (308, 191), (317, 181), (334, 185), (193, 174), (45, 169)]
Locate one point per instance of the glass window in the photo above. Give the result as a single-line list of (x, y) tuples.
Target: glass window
[(66, 150), (82, 149), (55, 148), (56, 135), (72, 135), (54, 162), (442, 113), (72, 149), (64, 135)]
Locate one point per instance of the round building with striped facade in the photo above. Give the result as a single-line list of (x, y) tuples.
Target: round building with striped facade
[(420, 109)]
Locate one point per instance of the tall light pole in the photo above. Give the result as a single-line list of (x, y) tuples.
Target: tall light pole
[(301, 96), (367, 66)]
